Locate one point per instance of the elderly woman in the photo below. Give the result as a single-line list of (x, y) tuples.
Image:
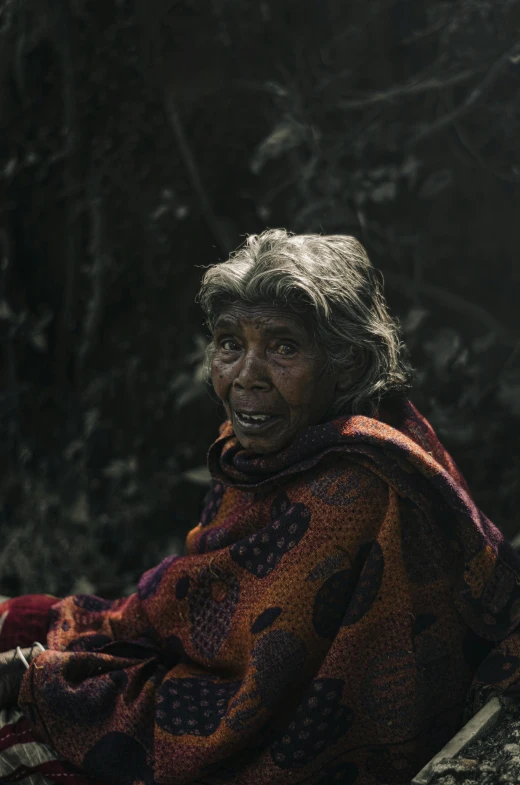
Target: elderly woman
[(342, 606)]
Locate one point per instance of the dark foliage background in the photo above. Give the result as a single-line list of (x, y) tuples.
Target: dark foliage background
[(142, 140)]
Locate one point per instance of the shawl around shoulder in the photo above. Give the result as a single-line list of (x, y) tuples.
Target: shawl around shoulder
[(336, 603)]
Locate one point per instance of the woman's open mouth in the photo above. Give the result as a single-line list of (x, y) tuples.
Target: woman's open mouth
[(255, 423)]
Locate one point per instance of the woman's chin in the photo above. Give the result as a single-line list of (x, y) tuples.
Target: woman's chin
[(263, 443)]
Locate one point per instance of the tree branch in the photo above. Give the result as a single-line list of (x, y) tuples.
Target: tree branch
[(214, 225), (99, 265), (474, 96), (72, 181), (405, 90), (452, 301), (475, 155)]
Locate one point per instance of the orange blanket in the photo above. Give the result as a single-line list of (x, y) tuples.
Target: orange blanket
[(326, 624)]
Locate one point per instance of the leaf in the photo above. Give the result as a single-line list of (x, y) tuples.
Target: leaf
[(199, 475), (121, 468), (384, 192), (484, 342), (435, 184), (38, 340), (83, 585), (413, 320), (443, 348), (187, 386), (6, 311), (79, 511), (285, 136), (509, 391)]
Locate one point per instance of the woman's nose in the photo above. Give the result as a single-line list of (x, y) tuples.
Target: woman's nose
[(252, 373)]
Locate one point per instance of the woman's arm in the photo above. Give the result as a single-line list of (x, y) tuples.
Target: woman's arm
[(234, 647)]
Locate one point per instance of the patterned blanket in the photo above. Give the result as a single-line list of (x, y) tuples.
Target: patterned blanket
[(341, 603)]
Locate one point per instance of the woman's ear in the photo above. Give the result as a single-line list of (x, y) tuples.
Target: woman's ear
[(354, 372)]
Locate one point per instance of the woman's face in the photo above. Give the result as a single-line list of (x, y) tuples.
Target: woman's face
[(269, 375)]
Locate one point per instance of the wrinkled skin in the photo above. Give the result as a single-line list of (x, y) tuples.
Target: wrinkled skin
[(266, 361)]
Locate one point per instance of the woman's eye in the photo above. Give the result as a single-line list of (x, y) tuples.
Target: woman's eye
[(286, 349), (228, 345)]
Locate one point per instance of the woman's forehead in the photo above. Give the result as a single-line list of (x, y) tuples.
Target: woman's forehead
[(265, 317)]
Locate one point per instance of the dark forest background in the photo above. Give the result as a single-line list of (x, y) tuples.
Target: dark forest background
[(140, 141)]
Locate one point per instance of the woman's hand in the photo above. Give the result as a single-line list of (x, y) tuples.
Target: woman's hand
[(12, 670)]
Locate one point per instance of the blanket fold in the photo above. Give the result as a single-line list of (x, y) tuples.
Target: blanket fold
[(327, 622)]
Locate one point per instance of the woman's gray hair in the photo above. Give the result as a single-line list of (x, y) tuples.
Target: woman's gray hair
[(330, 278)]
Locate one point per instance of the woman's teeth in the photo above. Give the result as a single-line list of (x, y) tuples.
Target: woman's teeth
[(250, 418)]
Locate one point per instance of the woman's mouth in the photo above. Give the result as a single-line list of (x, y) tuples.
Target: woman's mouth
[(255, 422)]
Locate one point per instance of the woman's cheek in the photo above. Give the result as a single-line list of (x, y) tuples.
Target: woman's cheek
[(217, 377), (222, 377), (296, 387)]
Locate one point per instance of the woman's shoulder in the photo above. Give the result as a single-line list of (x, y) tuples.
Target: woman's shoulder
[(339, 480)]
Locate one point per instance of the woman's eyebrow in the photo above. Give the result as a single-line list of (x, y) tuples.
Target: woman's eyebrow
[(229, 322), (226, 321)]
